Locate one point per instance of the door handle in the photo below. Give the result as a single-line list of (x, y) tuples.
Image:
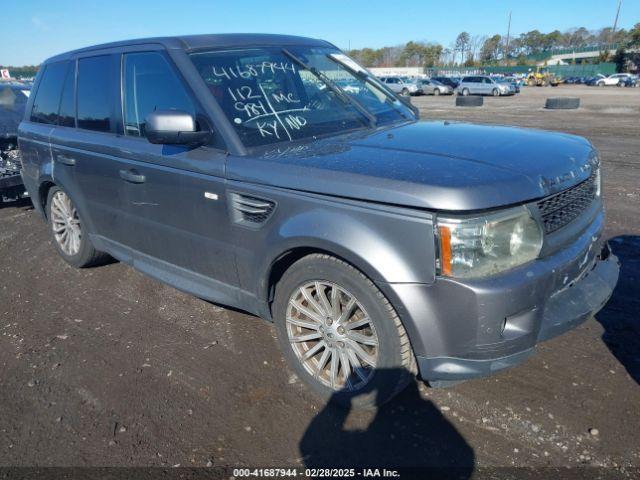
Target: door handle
[(63, 159), (131, 176)]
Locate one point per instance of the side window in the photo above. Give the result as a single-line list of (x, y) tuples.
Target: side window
[(150, 84), (67, 114), (94, 93), (45, 104)]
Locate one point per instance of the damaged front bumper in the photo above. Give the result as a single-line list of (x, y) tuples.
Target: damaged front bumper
[(472, 328)]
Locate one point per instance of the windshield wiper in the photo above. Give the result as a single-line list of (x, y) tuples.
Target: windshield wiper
[(364, 76), (345, 97)]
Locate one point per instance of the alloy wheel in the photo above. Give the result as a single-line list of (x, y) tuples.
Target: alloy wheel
[(332, 335), (65, 223)]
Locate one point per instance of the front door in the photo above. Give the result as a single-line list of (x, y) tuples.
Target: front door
[(174, 196)]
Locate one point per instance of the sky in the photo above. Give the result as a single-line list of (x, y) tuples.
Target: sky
[(32, 30)]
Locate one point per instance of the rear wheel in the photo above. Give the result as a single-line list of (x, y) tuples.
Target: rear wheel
[(69, 233), (340, 334)]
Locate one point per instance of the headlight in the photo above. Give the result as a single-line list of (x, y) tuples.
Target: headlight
[(482, 246)]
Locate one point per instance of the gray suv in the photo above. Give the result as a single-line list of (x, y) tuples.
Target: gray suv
[(238, 169)]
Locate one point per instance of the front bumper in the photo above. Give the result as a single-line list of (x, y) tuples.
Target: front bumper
[(467, 329)]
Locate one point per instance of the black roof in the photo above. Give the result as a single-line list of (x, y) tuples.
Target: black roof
[(197, 42)]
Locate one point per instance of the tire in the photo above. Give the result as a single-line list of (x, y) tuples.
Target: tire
[(469, 101), (436, 92), (562, 103), (495, 92), (465, 92), (405, 92), (394, 361), (79, 253), (600, 84)]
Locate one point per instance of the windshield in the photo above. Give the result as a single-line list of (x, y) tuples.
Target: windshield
[(275, 95)]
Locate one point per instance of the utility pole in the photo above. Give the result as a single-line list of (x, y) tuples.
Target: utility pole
[(615, 22), (506, 50)]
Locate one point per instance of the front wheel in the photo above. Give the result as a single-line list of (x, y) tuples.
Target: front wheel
[(465, 92), (436, 92), (405, 92), (495, 92), (340, 334), (69, 232)]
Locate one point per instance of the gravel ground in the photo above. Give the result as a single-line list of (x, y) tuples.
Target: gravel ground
[(105, 367)]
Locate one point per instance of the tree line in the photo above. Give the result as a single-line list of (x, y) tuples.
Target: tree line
[(472, 50)]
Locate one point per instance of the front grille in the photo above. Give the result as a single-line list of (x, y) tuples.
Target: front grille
[(562, 208)]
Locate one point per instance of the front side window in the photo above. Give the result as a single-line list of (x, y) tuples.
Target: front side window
[(150, 84), (47, 99), (273, 95), (95, 99)]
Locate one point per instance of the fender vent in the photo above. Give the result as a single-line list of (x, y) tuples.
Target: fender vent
[(250, 211)]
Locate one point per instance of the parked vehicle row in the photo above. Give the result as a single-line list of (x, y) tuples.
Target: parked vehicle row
[(617, 79), (469, 85)]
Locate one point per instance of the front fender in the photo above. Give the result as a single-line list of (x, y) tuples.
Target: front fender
[(388, 244)]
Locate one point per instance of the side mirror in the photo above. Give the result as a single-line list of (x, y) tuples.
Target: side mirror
[(173, 127)]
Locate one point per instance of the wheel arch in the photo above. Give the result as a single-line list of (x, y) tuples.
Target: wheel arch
[(44, 187)]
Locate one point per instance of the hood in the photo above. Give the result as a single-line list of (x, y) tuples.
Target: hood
[(432, 165)]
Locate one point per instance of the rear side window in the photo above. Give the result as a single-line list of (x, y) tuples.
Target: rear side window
[(95, 93), (150, 84), (67, 114), (47, 100)]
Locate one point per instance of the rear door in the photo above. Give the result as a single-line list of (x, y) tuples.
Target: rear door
[(474, 85), (83, 143)]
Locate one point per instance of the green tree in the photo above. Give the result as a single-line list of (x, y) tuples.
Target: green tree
[(490, 49), (634, 36), (462, 44), (620, 59)]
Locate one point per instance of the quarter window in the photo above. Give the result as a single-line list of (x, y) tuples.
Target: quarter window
[(150, 84), (45, 104), (95, 93)]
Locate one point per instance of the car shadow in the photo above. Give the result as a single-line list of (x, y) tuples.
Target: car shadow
[(621, 315), (408, 433)]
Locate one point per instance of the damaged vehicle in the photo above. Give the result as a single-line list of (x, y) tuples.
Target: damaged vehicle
[(13, 100), (239, 168)]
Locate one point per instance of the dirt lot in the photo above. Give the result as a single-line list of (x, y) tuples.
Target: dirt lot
[(106, 367)]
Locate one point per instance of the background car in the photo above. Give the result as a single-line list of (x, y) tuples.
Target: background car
[(630, 81), (429, 86), (400, 85), (513, 82), (452, 82), (483, 85), (612, 80)]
